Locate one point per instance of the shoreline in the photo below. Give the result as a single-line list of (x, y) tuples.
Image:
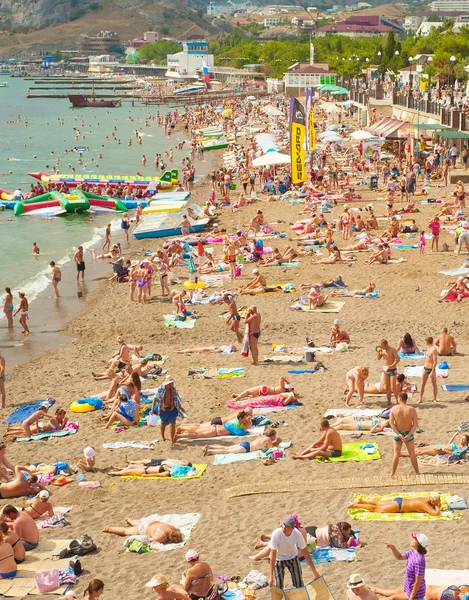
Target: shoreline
[(50, 317)]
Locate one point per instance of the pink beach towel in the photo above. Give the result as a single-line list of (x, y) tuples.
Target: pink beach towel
[(275, 400)]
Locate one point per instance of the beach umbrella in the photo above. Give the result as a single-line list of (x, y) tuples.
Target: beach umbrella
[(330, 136), (250, 98), (361, 134), (271, 158), (332, 128), (227, 112)]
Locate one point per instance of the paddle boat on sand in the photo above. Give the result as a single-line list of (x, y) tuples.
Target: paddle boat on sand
[(166, 224)]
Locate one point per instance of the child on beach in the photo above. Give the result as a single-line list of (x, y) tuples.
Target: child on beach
[(87, 464), (422, 243), (435, 229)]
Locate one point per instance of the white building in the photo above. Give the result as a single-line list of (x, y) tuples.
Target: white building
[(412, 23), (186, 63), (301, 76), (449, 5), (103, 63), (426, 26), (271, 21)]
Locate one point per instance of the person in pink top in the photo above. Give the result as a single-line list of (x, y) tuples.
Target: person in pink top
[(435, 226)]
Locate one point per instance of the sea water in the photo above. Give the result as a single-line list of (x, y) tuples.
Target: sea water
[(33, 134)]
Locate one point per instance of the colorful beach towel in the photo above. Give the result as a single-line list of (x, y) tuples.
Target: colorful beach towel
[(229, 459), (24, 411), (354, 452), (141, 445), (71, 428), (224, 373), (363, 515), (418, 370), (331, 306), (258, 401), (327, 555), (251, 431), (200, 470), (284, 359), (170, 321)]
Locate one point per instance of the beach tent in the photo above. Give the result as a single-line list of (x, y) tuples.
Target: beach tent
[(316, 590), (271, 158)]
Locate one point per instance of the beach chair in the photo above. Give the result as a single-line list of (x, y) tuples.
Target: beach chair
[(315, 590)]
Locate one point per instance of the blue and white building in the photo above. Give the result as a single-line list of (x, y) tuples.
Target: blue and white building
[(184, 65)]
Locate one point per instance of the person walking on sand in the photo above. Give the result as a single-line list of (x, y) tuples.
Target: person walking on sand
[(233, 319), (23, 308), (169, 407), (2, 380), (253, 321), (287, 544), (429, 369), (390, 359), (404, 422), (79, 259), (56, 274)]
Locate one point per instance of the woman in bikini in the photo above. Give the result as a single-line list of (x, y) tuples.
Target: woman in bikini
[(163, 533), (12, 538), (56, 423), (8, 566), (8, 307), (149, 468), (264, 390), (356, 378), (374, 425), (407, 345), (23, 309), (441, 449), (236, 427), (424, 504), (234, 318)]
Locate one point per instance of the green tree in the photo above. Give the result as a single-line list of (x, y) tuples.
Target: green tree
[(157, 52)]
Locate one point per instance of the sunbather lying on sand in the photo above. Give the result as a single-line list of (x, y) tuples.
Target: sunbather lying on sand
[(20, 486), (363, 292), (46, 424), (427, 504), (237, 426), (334, 257), (373, 425), (268, 440), (433, 592), (441, 449), (207, 350), (149, 526), (264, 390), (149, 467)]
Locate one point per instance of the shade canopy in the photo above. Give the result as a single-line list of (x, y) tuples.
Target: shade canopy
[(271, 158)]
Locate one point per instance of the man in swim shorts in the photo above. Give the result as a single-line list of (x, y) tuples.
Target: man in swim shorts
[(327, 446), (169, 407), (56, 274), (445, 343), (404, 422), (78, 257), (390, 359), (23, 525)]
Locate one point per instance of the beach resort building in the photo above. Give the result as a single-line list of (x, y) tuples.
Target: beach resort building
[(186, 63)]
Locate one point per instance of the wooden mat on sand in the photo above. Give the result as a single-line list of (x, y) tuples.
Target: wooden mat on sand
[(351, 483)]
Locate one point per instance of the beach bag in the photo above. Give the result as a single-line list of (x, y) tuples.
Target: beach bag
[(47, 581), (152, 420), (216, 591), (245, 344), (79, 547)]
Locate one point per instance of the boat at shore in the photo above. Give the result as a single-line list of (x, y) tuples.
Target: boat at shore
[(81, 101), (165, 225), (166, 180), (3, 84)]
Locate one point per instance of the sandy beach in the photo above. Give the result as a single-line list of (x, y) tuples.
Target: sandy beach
[(227, 528)]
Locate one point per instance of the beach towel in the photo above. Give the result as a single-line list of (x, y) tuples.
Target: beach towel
[(285, 359), (447, 577), (404, 246), (301, 371), (328, 554), (169, 321), (229, 459), (71, 428), (453, 296), (200, 470), (353, 412), (413, 356), (251, 431), (452, 272), (224, 373), (418, 370), (285, 264), (316, 590), (24, 411), (354, 452), (455, 387), (258, 401), (331, 306), (215, 276), (363, 515), (396, 261), (141, 445), (276, 288), (185, 522)]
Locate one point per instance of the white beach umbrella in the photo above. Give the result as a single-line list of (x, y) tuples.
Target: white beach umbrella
[(361, 134), (271, 158)]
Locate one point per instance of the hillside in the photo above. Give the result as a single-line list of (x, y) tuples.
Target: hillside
[(129, 18)]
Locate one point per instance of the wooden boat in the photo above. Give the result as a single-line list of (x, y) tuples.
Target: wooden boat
[(81, 101)]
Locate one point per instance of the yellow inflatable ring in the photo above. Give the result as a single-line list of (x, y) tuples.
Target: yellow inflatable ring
[(81, 408), (191, 285)]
